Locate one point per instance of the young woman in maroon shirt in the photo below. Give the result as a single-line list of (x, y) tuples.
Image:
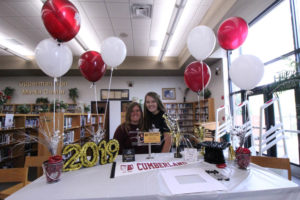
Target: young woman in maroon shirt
[(126, 133)]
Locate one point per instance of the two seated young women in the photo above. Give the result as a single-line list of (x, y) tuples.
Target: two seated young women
[(135, 120)]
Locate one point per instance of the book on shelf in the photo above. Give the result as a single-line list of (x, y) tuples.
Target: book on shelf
[(67, 122), (68, 137)]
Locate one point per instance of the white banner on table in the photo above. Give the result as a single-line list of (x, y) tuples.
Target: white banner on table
[(139, 167), (180, 181)]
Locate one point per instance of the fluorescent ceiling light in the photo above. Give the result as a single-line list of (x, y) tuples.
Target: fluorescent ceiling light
[(14, 47), (160, 23), (177, 11)]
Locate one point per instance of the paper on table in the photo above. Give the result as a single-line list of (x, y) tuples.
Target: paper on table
[(180, 181)]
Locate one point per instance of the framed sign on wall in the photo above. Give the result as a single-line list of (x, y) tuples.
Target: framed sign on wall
[(115, 94), (168, 93)]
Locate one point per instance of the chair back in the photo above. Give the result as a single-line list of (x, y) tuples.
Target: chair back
[(35, 161), (272, 162), (222, 129), (13, 175), (275, 133)]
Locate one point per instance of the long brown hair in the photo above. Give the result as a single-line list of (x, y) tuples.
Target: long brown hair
[(147, 113), (128, 113)]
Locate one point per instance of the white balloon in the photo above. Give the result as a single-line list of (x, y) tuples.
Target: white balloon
[(201, 42), (246, 71), (54, 59), (113, 51)]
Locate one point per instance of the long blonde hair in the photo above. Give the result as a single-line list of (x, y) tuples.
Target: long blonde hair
[(128, 114), (147, 113)]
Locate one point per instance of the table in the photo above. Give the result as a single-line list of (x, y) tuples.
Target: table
[(95, 183)]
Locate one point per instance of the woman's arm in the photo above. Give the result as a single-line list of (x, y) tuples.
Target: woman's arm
[(167, 146)]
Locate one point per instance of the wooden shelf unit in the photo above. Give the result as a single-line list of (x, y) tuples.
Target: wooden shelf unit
[(184, 113), (206, 113), (73, 128), (188, 113), (12, 151)]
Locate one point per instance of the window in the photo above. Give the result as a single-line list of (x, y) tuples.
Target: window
[(287, 102), (271, 36)]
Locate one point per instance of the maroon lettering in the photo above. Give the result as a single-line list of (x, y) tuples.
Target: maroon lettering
[(138, 166), (156, 165), (144, 166), (150, 165)]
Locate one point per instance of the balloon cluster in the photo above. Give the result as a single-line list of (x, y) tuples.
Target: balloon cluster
[(245, 72), (92, 64), (62, 21)]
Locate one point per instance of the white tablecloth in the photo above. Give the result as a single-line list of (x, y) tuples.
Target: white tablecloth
[(95, 183)]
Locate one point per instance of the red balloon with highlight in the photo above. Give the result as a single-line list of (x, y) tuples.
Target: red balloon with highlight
[(232, 33), (197, 76), (92, 66), (61, 19)]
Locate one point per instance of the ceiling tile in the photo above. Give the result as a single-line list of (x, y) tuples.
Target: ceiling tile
[(141, 33), (27, 8), (119, 23), (101, 23), (36, 22), (104, 33), (142, 1), (118, 10), (94, 9), (19, 22), (4, 53), (141, 24), (117, 1), (6, 10)]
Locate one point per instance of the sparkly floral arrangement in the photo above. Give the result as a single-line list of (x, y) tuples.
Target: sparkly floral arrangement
[(3, 98), (242, 154)]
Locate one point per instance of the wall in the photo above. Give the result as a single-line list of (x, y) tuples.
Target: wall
[(141, 85)]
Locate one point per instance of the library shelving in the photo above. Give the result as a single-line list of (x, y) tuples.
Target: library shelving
[(15, 140), (206, 112), (188, 113), (72, 127)]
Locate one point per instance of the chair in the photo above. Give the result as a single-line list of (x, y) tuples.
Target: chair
[(12, 175), (247, 125), (35, 161), (272, 162), (274, 134), (224, 128)]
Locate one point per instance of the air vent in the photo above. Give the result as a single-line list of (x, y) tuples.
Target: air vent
[(141, 10)]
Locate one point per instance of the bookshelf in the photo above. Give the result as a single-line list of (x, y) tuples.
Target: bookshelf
[(188, 113), (206, 112), (12, 152), (184, 113), (73, 127)]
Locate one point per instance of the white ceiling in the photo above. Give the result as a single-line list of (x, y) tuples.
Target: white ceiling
[(21, 20)]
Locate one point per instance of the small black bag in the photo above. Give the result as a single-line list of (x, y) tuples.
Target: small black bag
[(214, 151)]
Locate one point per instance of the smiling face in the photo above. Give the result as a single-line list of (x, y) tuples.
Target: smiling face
[(151, 105), (135, 115)]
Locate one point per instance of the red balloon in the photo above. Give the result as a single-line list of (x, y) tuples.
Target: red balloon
[(197, 76), (61, 19), (232, 33), (92, 66)]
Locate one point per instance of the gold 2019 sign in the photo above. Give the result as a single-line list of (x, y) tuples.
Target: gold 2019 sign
[(105, 152)]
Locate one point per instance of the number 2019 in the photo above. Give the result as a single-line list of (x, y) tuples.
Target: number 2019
[(106, 152)]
